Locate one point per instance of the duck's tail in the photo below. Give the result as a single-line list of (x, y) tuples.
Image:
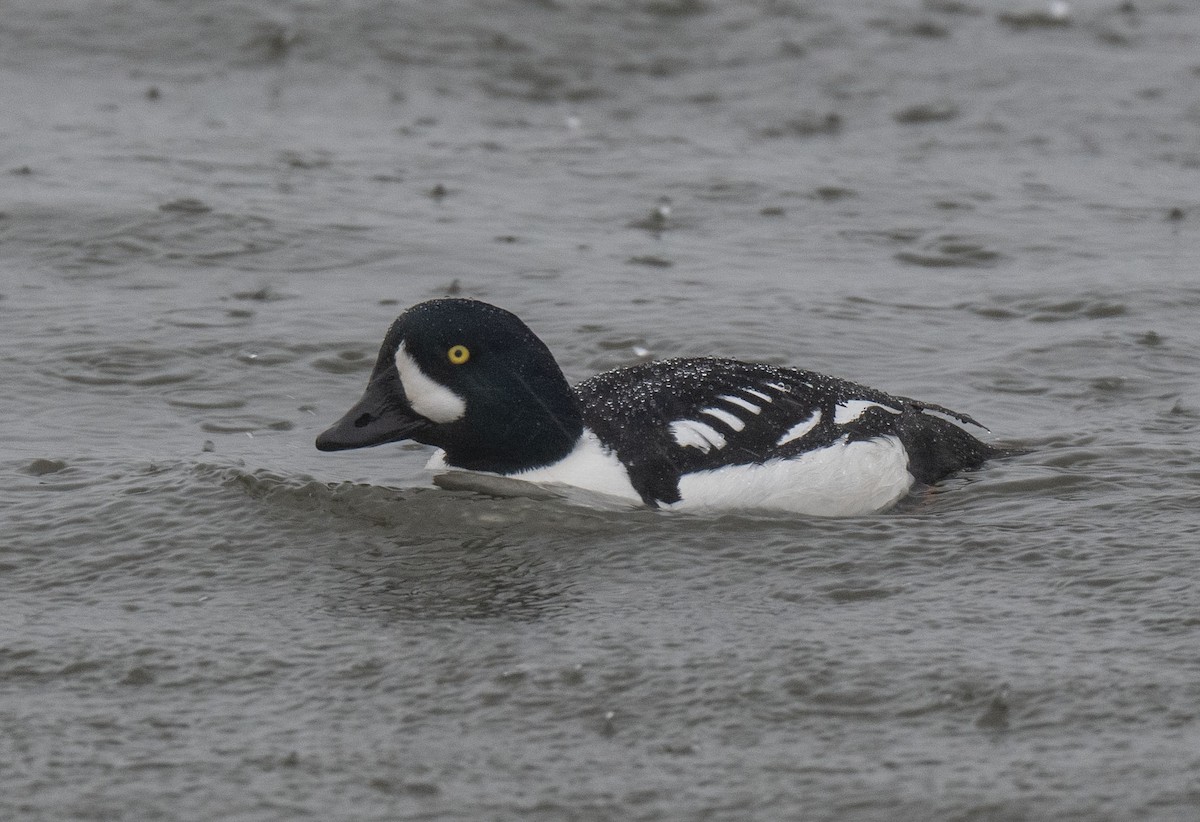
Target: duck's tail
[(938, 448)]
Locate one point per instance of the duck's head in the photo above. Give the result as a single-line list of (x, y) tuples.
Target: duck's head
[(469, 378)]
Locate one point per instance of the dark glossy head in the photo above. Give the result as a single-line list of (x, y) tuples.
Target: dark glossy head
[(471, 379)]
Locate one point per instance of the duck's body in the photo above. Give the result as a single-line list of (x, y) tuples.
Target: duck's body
[(474, 381)]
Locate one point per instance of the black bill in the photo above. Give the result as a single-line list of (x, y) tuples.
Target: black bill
[(379, 417)]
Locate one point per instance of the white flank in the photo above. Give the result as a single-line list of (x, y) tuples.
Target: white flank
[(741, 403), (853, 409), (692, 434), (427, 397), (843, 479), (800, 429), (731, 420), (759, 394), (590, 466)]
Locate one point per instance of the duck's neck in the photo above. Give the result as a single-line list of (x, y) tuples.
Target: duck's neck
[(525, 427)]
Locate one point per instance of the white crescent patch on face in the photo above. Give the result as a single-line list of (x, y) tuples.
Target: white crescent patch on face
[(426, 396)]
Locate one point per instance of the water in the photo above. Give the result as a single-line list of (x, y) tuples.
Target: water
[(212, 212)]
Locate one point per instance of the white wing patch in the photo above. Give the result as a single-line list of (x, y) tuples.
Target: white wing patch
[(427, 397), (741, 403), (799, 429), (759, 394), (693, 434), (851, 410), (729, 419), (841, 480)]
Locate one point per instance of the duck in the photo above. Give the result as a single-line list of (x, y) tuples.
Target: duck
[(700, 433)]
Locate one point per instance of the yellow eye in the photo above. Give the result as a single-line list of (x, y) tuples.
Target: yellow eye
[(458, 354)]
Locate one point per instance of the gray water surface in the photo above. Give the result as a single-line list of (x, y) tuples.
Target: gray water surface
[(209, 214)]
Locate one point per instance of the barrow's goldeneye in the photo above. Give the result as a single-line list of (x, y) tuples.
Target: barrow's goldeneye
[(473, 380)]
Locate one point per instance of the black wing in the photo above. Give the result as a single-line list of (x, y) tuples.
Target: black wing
[(673, 417)]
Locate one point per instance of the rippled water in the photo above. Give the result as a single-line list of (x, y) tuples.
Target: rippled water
[(210, 214)]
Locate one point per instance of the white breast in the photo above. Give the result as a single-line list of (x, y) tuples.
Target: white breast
[(840, 480), (589, 465)]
